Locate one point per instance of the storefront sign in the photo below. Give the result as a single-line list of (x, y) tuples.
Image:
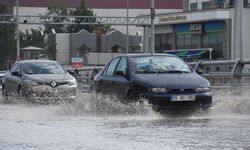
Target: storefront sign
[(196, 28), (172, 18)]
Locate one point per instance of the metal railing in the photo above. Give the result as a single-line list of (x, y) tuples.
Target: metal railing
[(85, 75), (233, 72), (79, 20), (221, 72)]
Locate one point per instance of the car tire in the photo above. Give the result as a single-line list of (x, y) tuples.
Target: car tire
[(20, 93), (132, 96)]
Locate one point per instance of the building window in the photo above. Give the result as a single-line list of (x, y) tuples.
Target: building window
[(231, 3), (180, 44), (246, 4), (196, 40), (193, 6), (188, 41), (205, 5), (220, 3), (163, 42), (214, 40)]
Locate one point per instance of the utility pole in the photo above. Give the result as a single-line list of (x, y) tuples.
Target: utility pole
[(17, 31), (238, 33), (127, 35), (152, 14)]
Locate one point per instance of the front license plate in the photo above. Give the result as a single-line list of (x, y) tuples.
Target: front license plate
[(183, 98)]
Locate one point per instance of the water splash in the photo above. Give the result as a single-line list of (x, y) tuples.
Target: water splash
[(102, 105), (225, 104), (227, 101)]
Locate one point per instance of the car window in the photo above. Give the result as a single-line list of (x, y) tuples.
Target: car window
[(42, 68), (111, 67), (158, 64), (122, 66)]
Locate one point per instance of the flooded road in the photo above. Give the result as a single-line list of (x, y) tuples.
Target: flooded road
[(101, 123)]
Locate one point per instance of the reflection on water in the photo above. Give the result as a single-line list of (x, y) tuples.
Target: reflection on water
[(104, 123)]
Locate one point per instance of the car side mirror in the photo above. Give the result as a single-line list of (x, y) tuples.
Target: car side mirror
[(70, 72), (16, 73), (120, 73)]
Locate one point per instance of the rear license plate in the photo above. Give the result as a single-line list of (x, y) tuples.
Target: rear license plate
[(183, 98)]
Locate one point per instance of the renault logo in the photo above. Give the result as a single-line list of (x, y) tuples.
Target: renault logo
[(53, 83)]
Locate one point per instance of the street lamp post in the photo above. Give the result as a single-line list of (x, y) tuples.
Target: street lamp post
[(127, 36), (17, 30), (238, 26), (152, 14)]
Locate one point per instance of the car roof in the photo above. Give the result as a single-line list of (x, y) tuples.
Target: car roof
[(145, 54)]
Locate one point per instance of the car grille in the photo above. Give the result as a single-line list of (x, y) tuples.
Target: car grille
[(57, 83), (180, 91)]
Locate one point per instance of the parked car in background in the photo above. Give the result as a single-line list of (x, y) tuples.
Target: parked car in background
[(166, 81), (42, 79)]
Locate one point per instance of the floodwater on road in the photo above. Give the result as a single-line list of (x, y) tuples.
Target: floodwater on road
[(103, 123)]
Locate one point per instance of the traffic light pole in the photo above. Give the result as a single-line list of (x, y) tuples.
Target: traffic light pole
[(17, 30), (152, 14)]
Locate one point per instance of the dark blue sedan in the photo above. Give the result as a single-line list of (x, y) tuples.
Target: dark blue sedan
[(166, 81)]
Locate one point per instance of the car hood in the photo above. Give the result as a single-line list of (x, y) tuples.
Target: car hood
[(48, 77), (173, 80)]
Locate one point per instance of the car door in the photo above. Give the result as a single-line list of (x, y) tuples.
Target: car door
[(107, 78), (120, 80)]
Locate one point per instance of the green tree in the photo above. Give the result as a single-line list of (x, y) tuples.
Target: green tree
[(61, 10), (7, 41), (33, 38), (56, 10), (82, 10)]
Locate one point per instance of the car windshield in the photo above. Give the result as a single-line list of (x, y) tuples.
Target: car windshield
[(42, 68), (159, 64)]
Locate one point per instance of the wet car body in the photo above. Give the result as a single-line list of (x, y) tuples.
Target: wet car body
[(172, 89), (40, 79), (1, 77)]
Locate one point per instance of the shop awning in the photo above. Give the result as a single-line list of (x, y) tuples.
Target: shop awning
[(190, 53)]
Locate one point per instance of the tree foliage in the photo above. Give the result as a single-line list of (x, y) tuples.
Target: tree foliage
[(56, 10), (82, 10), (61, 10), (32, 38), (7, 41)]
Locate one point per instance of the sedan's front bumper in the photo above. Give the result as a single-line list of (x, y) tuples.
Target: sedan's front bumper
[(48, 92), (164, 101)]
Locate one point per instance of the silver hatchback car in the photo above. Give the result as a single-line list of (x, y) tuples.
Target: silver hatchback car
[(44, 79)]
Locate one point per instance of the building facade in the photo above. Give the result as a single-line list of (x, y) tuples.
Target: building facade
[(204, 24), (78, 45)]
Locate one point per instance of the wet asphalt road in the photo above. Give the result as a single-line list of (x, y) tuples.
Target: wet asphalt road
[(100, 123)]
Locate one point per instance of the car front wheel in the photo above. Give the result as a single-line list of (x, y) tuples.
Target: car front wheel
[(132, 96)]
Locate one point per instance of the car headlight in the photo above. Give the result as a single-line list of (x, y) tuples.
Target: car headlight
[(158, 90), (203, 89), (30, 82), (72, 82)]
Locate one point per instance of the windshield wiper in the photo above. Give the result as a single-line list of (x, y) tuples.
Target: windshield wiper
[(174, 71), (177, 71)]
